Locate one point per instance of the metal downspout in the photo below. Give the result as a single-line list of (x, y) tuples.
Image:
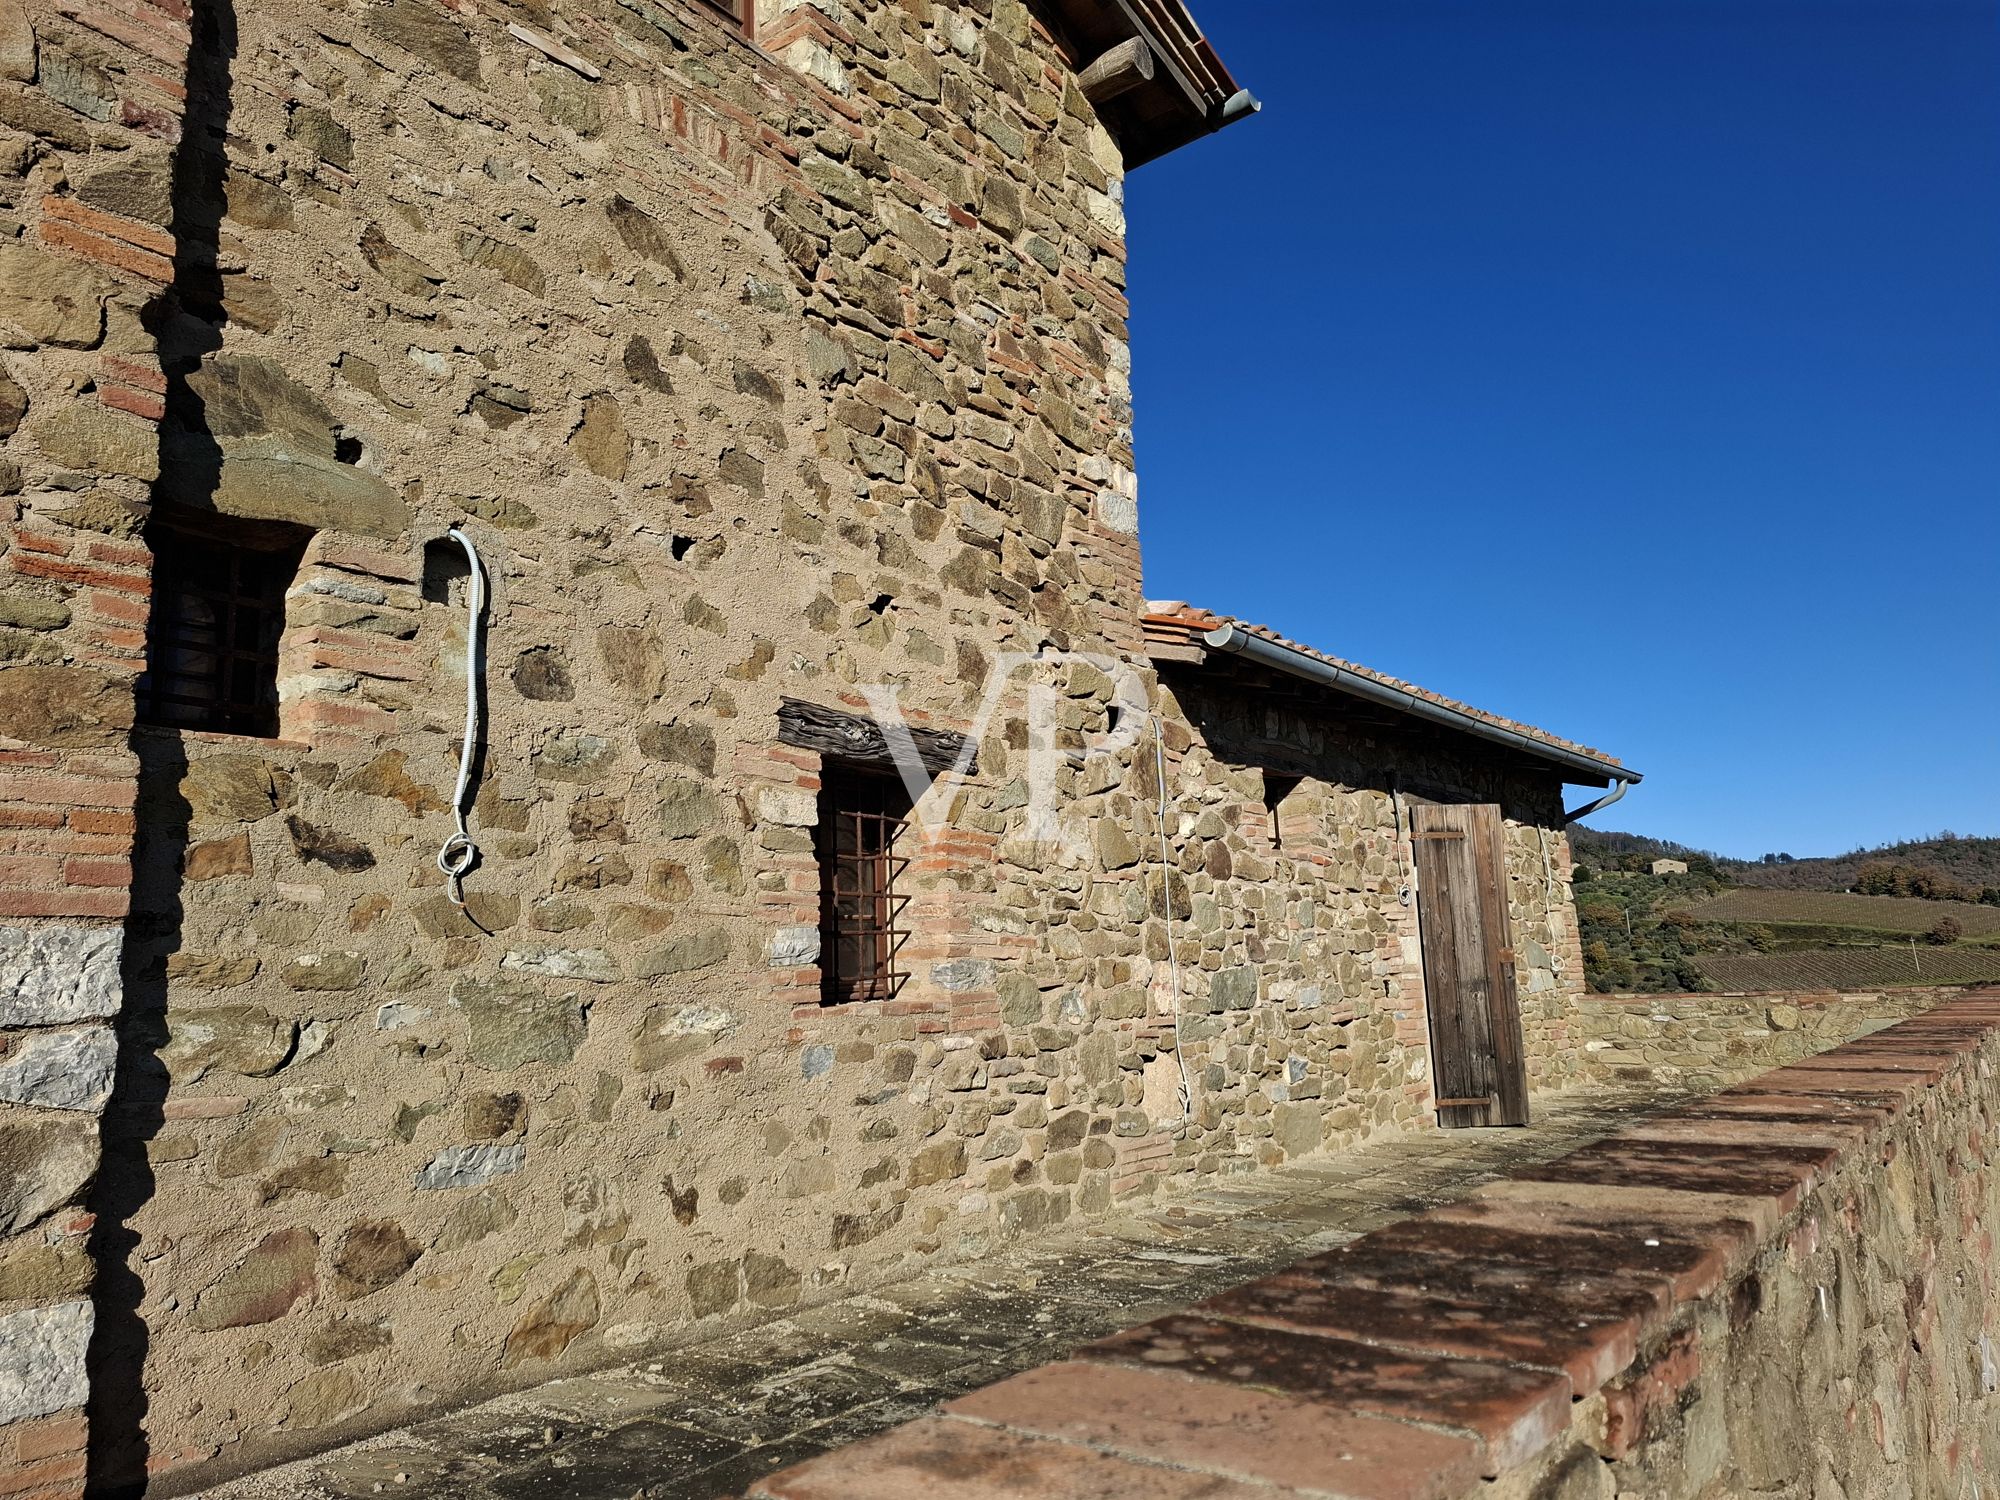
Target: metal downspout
[(1618, 789)]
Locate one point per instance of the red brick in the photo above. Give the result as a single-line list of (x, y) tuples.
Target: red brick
[(128, 641), (124, 554), (1628, 1202), (67, 791), (138, 403), (52, 1477), (138, 377), (360, 717), (136, 35), (120, 607), (163, 123), (1230, 1430), (92, 820), (51, 1436), (398, 666), (1748, 1130), (1647, 1396), (106, 872), (353, 558), (67, 903), (31, 870), (31, 817), (1695, 1254), (114, 253), (63, 841), (73, 572), (942, 1455), (1782, 1174), (1513, 1412)]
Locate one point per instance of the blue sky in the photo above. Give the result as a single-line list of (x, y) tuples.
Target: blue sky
[(1630, 367)]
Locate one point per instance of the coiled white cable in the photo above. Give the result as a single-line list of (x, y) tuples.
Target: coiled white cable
[(458, 854)]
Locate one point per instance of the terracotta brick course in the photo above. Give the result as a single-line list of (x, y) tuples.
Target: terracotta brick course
[(1511, 1412), (937, 1456), (1234, 1431), (45, 1438)]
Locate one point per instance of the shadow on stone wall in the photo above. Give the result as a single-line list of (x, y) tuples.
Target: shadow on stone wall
[(186, 322)]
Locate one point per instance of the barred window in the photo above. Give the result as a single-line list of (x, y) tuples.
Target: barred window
[(218, 612), (862, 817)]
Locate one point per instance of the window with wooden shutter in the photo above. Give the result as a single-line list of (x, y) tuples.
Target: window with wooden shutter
[(863, 817)]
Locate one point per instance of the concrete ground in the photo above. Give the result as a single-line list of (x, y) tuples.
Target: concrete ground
[(712, 1418)]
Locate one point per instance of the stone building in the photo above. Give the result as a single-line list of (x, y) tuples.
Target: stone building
[(770, 358)]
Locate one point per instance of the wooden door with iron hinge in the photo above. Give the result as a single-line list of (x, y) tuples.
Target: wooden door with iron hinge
[(1478, 1070)]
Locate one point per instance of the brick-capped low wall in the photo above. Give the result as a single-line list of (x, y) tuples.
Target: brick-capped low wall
[(1702, 1042), (1785, 1289)]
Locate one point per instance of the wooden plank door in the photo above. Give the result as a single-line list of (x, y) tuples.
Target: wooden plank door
[(1478, 1071)]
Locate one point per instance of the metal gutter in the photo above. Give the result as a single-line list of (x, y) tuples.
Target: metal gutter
[(1239, 642)]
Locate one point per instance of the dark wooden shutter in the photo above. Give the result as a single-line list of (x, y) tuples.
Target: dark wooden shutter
[(1478, 1072)]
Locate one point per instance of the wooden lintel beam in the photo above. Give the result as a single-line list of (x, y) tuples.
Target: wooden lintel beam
[(849, 737), (1118, 71)]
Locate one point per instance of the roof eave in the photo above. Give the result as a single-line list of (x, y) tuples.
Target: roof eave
[(1191, 93), (1578, 768)]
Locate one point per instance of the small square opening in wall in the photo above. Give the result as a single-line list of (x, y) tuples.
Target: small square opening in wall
[(218, 617), (863, 818), (742, 12), (1277, 787)]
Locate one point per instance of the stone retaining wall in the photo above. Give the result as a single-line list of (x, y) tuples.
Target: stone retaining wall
[(1704, 1041), (1786, 1290)]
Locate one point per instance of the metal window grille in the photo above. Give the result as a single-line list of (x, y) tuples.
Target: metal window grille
[(212, 642), (861, 932)]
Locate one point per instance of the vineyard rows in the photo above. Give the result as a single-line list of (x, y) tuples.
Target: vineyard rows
[(1837, 909), (1851, 968)]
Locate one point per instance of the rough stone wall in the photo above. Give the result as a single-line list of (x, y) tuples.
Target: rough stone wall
[(1302, 968), (1703, 1042), (750, 380), (82, 94), (754, 372)]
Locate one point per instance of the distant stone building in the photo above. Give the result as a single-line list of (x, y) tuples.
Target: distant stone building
[(774, 367), (1670, 867)]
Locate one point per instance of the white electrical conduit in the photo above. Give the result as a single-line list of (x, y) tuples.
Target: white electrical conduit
[(1167, 906), (459, 853)]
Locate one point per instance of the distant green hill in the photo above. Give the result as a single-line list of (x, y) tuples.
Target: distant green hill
[(1972, 864), (1786, 924), (1604, 848)]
